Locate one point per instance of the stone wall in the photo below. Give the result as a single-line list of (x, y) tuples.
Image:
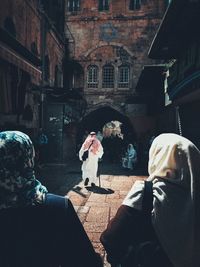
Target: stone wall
[(118, 36), (25, 19)]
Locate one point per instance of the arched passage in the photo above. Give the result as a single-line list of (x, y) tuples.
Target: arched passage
[(96, 119)]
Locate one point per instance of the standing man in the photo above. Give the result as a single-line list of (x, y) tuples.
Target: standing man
[(90, 163)]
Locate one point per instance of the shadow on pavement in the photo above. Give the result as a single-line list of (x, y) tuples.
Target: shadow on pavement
[(99, 190), (61, 178), (77, 189)]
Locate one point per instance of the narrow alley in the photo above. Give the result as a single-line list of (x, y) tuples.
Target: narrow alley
[(87, 88), (97, 205)]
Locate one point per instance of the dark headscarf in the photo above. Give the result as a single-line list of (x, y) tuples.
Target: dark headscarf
[(18, 185)]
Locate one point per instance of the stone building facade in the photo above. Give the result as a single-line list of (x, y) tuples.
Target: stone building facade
[(109, 42), (179, 48), (31, 57)]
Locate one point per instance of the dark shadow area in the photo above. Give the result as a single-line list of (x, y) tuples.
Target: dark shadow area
[(74, 172), (60, 179), (100, 190), (77, 189), (99, 117), (108, 168)]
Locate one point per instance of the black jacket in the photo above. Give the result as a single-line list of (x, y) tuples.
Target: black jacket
[(49, 235)]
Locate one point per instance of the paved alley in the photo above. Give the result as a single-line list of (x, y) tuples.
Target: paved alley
[(95, 206)]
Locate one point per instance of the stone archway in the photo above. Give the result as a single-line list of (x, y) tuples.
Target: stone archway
[(96, 119), (113, 145)]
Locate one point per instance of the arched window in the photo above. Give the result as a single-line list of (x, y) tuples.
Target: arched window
[(92, 77), (73, 5), (123, 76), (108, 76), (103, 5), (10, 26), (134, 4)]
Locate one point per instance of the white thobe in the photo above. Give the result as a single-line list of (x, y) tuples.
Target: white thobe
[(90, 165)]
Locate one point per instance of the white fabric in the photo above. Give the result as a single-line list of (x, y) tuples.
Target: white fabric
[(174, 169), (90, 165), (133, 198)]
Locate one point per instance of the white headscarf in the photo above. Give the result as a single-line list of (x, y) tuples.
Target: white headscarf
[(174, 169)]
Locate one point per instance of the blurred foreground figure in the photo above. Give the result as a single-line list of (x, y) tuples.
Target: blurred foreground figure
[(171, 228), (37, 229)]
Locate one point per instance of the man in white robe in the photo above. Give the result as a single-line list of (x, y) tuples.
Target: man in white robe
[(90, 165)]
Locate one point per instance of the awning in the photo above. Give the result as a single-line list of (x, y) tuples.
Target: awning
[(151, 79), (14, 58), (187, 85), (59, 94), (9, 41), (178, 29)]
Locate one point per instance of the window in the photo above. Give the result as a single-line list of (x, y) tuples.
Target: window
[(124, 77), (134, 4), (103, 5), (92, 77), (73, 5), (108, 76)]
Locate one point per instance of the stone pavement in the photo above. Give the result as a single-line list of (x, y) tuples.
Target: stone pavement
[(95, 206)]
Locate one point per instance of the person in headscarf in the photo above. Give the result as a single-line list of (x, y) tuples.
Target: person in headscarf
[(175, 218), (36, 228), (18, 185), (130, 159), (90, 165)]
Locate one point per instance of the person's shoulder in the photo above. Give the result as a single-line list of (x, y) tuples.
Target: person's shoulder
[(53, 200)]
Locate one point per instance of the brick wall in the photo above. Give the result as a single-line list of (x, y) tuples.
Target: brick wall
[(97, 37), (27, 20), (55, 51)]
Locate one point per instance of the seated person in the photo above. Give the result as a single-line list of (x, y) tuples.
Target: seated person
[(130, 159), (37, 229), (174, 219)]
